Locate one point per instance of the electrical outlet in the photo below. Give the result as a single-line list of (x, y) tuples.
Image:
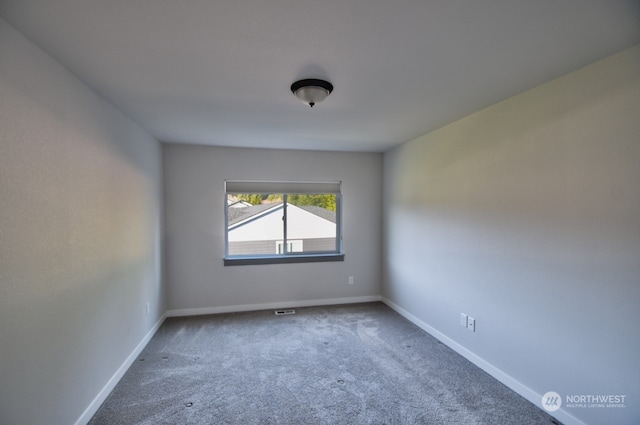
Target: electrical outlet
[(463, 319), (148, 308), (471, 324), (350, 280)]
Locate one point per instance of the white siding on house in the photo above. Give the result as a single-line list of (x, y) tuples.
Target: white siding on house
[(302, 224)]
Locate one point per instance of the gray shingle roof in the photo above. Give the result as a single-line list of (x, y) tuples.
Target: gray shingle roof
[(236, 215), (320, 212)]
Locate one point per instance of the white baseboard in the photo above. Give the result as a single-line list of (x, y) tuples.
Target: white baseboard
[(110, 385), (269, 306), (526, 392)]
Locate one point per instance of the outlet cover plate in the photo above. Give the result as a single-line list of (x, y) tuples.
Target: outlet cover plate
[(471, 324)]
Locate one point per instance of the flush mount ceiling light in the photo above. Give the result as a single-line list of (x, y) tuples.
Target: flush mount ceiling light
[(311, 91)]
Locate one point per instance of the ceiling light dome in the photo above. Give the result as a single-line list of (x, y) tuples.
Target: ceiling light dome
[(311, 91)]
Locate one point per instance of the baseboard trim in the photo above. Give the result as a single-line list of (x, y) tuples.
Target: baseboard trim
[(562, 415), (111, 384), (269, 306)]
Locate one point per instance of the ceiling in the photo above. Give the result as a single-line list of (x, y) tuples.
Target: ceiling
[(218, 72)]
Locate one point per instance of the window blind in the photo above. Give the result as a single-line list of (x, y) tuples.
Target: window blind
[(246, 186)]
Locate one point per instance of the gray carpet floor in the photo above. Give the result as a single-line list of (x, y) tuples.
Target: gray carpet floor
[(349, 364)]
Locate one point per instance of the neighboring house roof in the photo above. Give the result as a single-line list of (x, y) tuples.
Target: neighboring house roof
[(236, 215), (239, 204), (320, 212)]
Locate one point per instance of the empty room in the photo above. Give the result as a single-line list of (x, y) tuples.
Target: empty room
[(336, 212)]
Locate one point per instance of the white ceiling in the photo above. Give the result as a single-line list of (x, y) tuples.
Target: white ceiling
[(218, 72)]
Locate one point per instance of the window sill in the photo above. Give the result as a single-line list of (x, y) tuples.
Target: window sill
[(248, 261)]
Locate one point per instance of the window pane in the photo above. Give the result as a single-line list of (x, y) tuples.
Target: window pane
[(255, 223), (311, 219)]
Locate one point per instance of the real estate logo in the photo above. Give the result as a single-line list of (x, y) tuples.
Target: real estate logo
[(551, 401)]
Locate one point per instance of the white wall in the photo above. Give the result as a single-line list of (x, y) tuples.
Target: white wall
[(526, 216), (194, 211), (80, 221)]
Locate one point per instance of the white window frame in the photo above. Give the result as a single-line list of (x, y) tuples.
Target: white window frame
[(286, 188)]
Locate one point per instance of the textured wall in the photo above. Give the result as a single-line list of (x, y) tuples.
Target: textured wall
[(80, 224), (194, 209), (526, 216)]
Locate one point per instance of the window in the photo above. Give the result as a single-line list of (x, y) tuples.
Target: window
[(282, 222)]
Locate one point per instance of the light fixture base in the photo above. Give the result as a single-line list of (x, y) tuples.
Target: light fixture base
[(311, 90)]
